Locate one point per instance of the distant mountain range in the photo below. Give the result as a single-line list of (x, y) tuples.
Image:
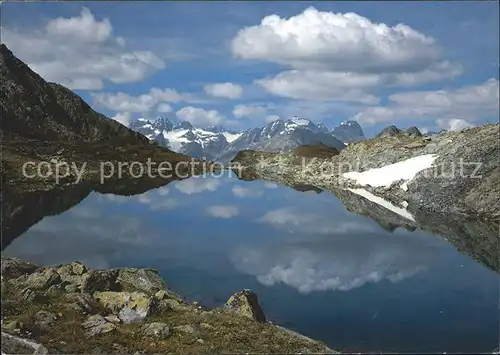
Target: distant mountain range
[(35, 109), (218, 143)]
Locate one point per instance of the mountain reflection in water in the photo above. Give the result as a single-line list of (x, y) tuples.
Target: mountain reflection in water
[(334, 266)]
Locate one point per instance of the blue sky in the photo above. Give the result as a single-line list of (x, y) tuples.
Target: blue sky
[(334, 61)]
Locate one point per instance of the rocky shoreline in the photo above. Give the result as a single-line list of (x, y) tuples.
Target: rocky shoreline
[(464, 178), (69, 308)]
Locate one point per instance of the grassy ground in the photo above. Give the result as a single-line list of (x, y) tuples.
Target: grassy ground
[(96, 157), (215, 331), (315, 151)]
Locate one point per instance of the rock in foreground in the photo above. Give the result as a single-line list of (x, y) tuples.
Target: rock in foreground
[(128, 311), (246, 303)]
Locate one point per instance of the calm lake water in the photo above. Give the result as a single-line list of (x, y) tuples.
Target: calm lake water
[(317, 268)]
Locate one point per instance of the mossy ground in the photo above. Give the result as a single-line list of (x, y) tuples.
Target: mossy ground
[(315, 151), (215, 331)]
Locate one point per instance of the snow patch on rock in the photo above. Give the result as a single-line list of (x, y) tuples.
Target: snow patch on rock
[(385, 176), (384, 203)]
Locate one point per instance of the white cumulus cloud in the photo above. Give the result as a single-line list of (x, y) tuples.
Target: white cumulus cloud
[(80, 52), (222, 211), (164, 108), (322, 86), (123, 117), (226, 90), (240, 191), (250, 111), (342, 261), (199, 116), (453, 124), (309, 223), (123, 102), (196, 185), (336, 41), (341, 56), (451, 109)]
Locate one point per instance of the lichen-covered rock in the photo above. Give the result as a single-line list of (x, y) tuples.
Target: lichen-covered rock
[(97, 324), (81, 302), (113, 319), (72, 273), (187, 329), (14, 326), (42, 280), (13, 267), (59, 287), (119, 349), (168, 295), (130, 315), (29, 295), (143, 280), (130, 307), (75, 268), (70, 288), (15, 345), (157, 330), (168, 300), (246, 304), (44, 320), (78, 268), (100, 280), (172, 304), (194, 330)]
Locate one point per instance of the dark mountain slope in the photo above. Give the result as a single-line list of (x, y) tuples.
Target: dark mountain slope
[(35, 109), (46, 123)]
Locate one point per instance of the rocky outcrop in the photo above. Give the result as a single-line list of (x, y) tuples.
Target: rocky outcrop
[(128, 311), (413, 131), (43, 279), (99, 280), (15, 267), (144, 280), (246, 304), (389, 131), (129, 307), (157, 330), (79, 302), (464, 177), (12, 344), (97, 324)]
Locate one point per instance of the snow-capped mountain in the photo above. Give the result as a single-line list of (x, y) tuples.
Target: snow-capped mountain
[(184, 138), (349, 132), (218, 143), (281, 135), (183, 125)]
